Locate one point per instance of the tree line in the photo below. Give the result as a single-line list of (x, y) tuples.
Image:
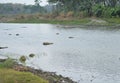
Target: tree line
[(98, 8), (9, 8), (83, 8)]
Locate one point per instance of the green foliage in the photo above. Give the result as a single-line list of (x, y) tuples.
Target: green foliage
[(37, 3), (9, 63), (98, 8), (10, 9), (22, 59), (112, 20)]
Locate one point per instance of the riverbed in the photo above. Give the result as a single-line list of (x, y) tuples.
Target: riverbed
[(83, 53)]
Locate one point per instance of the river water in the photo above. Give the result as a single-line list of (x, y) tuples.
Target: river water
[(91, 56)]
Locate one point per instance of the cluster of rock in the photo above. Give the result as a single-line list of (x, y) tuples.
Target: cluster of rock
[(52, 77)]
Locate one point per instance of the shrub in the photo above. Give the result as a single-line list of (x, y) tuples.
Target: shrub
[(9, 63), (62, 15), (22, 59), (70, 14)]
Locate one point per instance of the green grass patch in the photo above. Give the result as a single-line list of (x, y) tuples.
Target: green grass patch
[(75, 21), (12, 76), (112, 20), (8, 75)]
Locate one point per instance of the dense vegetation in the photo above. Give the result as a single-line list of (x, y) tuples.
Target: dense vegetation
[(10, 9), (84, 8), (70, 8), (62, 12)]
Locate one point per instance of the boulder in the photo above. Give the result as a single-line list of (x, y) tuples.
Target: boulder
[(31, 55), (3, 58)]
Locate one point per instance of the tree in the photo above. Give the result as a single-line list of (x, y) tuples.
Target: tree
[(85, 5), (37, 2)]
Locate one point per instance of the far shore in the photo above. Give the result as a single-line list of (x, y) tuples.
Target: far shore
[(36, 18)]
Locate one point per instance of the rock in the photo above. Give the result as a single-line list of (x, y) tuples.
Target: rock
[(3, 47), (3, 59), (47, 43), (17, 34), (6, 29), (58, 26), (9, 34), (22, 59), (50, 76), (20, 68), (23, 27), (70, 37), (57, 33), (31, 55), (119, 58)]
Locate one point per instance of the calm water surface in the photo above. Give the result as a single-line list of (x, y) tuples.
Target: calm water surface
[(92, 56)]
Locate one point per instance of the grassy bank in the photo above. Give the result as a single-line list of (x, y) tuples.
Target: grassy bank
[(12, 72), (8, 75), (12, 76), (83, 21), (112, 20), (52, 21), (36, 18)]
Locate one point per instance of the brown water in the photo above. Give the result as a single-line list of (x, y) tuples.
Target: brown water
[(91, 56)]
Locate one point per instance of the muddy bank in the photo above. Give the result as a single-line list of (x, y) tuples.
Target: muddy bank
[(52, 77)]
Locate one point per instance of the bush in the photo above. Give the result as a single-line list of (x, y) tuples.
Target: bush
[(22, 59), (70, 14), (82, 14), (118, 12), (98, 10), (9, 63), (62, 15)]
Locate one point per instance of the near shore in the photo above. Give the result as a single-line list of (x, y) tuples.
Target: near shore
[(13, 72)]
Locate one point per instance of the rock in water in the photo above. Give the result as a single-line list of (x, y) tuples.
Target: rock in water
[(31, 55), (3, 47), (57, 33), (22, 59), (17, 34), (2, 58), (47, 43), (70, 37)]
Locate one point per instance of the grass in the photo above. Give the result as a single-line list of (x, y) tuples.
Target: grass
[(62, 20), (8, 75), (12, 76), (52, 21), (112, 20)]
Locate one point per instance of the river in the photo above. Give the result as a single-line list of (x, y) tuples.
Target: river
[(86, 54)]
